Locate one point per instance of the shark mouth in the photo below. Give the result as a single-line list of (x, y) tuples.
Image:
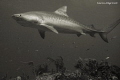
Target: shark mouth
[(17, 18)]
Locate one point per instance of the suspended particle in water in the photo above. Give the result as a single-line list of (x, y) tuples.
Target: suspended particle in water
[(73, 42), (36, 50), (87, 49)]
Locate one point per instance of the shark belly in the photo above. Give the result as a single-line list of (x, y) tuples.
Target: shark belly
[(60, 29), (66, 30)]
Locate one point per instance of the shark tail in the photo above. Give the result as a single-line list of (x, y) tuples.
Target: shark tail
[(103, 33)]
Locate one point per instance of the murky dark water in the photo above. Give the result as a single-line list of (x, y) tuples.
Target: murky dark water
[(18, 43)]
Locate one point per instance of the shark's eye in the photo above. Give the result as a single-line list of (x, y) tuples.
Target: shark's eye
[(20, 15)]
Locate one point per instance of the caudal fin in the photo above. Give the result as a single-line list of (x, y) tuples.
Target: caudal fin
[(105, 31)]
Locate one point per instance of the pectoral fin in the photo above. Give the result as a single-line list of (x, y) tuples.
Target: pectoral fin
[(51, 28), (42, 33)]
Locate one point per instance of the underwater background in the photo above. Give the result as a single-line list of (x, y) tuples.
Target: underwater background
[(20, 44)]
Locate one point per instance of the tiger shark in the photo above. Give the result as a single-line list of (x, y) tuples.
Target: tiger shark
[(59, 22)]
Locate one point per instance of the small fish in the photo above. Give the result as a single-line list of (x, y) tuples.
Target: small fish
[(31, 63), (107, 57), (59, 22)]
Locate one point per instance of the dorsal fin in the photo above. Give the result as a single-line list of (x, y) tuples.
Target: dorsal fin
[(62, 11)]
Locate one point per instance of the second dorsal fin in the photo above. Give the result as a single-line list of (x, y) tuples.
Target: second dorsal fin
[(91, 26), (62, 11)]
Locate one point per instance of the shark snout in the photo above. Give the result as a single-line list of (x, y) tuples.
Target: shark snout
[(16, 15)]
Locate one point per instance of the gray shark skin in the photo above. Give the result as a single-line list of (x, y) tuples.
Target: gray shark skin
[(59, 22)]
